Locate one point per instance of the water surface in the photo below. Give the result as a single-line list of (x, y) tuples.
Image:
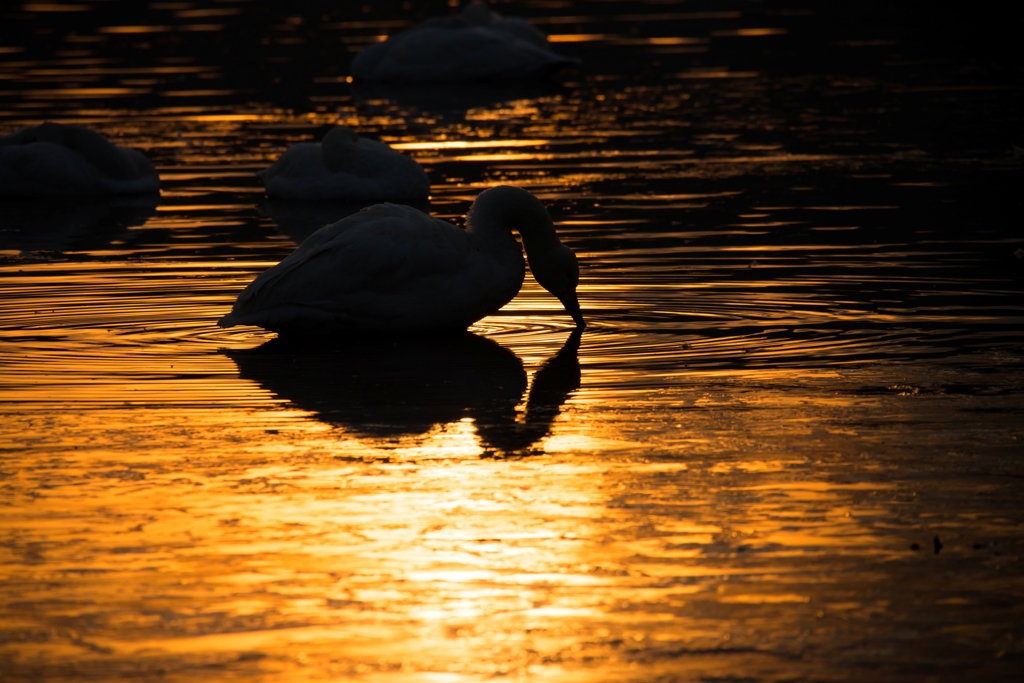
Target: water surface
[(787, 447)]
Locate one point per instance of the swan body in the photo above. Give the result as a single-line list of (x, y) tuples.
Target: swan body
[(54, 159), (345, 167), (393, 268), (476, 45)]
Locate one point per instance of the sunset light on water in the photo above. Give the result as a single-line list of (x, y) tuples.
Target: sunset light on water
[(786, 446)]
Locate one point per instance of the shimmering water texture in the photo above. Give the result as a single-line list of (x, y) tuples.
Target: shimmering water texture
[(787, 447)]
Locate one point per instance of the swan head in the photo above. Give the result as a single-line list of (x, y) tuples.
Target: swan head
[(558, 271), (553, 264)]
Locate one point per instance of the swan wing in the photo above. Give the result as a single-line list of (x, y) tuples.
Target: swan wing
[(442, 53), (46, 168), (386, 267), (365, 171), (42, 169), (55, 159)]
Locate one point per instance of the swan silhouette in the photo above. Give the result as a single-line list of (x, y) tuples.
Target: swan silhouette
[(388, 388), (345, 167), (476, 45), (393, 268), (56, 159)]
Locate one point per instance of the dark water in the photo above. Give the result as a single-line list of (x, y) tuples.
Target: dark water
[(787, 447)]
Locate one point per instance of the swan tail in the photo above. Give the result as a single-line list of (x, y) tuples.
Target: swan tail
[(228, 321)]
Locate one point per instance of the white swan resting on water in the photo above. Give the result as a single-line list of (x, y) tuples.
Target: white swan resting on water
[(393, 268), (476, 45), (54, 159), (345, 167)]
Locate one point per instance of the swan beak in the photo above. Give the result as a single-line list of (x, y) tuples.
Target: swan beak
[(572, 305)]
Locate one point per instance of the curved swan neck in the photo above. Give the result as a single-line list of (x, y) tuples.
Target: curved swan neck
[(492, 217), (501, 209)]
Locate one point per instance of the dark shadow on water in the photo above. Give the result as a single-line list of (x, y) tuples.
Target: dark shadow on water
[(297, 220), (558, 377), (390, 387), (451, 99), (56, 225)]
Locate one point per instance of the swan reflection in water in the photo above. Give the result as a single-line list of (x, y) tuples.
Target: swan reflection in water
[(61, 225), (386, 388), (450, 101)]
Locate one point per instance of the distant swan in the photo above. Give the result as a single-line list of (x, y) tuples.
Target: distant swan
[(54, 159), (395, 269), (476, 45), (345, 167)]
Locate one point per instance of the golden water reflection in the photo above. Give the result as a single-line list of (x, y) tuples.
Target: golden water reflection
[(178, 496), (799, 366), (259, 540), (182, 498)]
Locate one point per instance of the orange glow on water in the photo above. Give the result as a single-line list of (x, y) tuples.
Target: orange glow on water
[(794, 380), (469, 144), (135, 29), (752, 32), (576, 37), (55, 7)]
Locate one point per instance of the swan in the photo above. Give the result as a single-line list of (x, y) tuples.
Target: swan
[(57, 159), (393, 268), (345, 167), (476, 45)]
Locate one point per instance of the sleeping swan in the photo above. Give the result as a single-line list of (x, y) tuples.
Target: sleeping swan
[(345, 167), (392, 268), (56, 159), (476, 45)]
